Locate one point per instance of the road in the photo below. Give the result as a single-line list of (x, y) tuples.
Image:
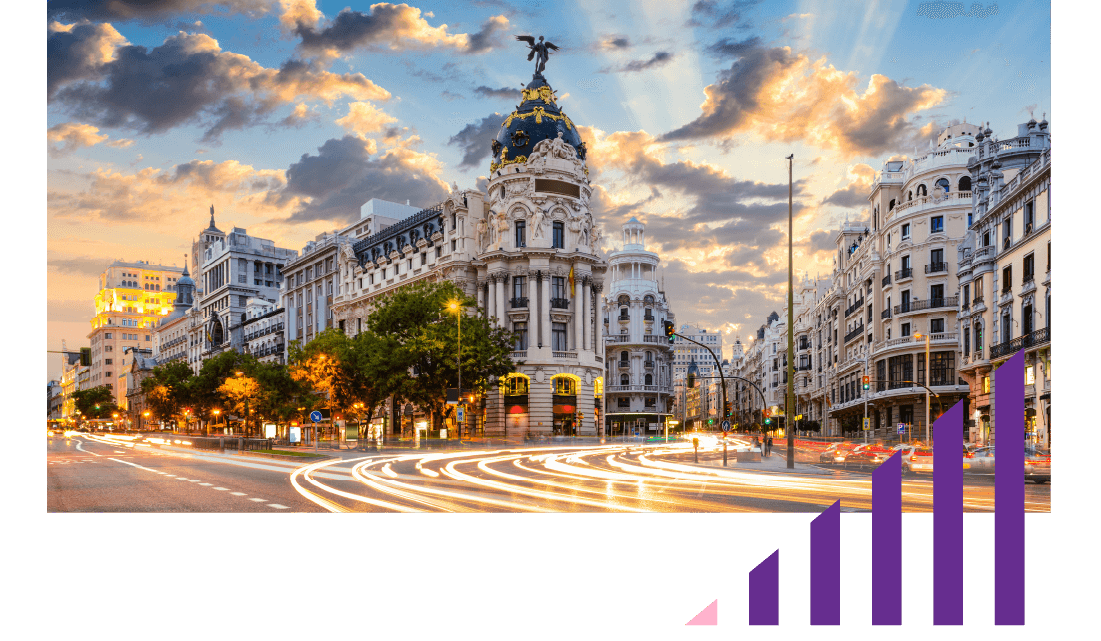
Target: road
[(86, 474)]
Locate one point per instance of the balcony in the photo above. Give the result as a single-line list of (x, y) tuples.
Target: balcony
[(649, 318), (976, 301), (928, 303), (617, 338), (560, 303), (651, 338), (519, 302), (623, 318), (857, 331), (904, 273), (885, 314), (936, 268), (886, 280), (1031, 339), (520, 354), (622, 364), (564, 354), (854, 307), (648, 364)]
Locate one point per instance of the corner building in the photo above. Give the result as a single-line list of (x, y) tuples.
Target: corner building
[(527, 251), (639, 374)]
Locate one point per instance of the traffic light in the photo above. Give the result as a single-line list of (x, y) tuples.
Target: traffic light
[(729, 409), (867, 382), (767, 413), (691, 379), (670, 329), (86, 356), (768, 421), (710, 421)]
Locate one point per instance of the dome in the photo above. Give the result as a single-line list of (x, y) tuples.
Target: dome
[(538, 118)]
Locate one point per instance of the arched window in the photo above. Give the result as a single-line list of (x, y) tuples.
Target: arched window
[(623, 300), (910, 196), (965, 183), (649, 300), (921, 191), (891, 206), (623, 357), (649, 379), (515, 385), (564, 385), (624, 379), (943, 184)]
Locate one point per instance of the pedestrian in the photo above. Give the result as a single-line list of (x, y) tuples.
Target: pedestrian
[(770, 446)]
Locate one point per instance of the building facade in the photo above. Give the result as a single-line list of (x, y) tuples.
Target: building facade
[(527, 250), (1005, 277), (263, 334), (638, 378), (172, 340), (132, 298)]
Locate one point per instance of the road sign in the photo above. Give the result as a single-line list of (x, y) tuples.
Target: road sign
[(315, 416), (901, 428), (726, 426), (460, 415), (867, 423)]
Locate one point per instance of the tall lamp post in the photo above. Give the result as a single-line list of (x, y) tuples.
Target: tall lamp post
[(791, 328), (241, 375), (457, 307), (927, 383)]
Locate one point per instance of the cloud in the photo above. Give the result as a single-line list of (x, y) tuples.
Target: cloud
[(161, 198), (450, 96), (390, 27), (300, 116), (298, 12), (149, 11), (855, 193), (474, 140), (784, 96), (614, 42), (708, 13), (659, 59), (70, 136), (78, 52), (188, 80), (504, 93), (77, 265), (346, 173), (74, 311), (363, 117)]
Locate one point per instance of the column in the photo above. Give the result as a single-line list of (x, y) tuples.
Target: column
[(481, 295), (545, 312), (534, 319), (579, 321), (502, 303), (587, 295), (491, 308)]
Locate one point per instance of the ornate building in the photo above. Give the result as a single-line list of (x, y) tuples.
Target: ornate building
[(1005, 300), (527, 251), (638, 378)]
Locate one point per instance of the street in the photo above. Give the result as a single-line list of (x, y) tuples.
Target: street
[(88, 473)]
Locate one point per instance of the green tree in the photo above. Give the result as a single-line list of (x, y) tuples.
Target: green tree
[(205, 396), (168, 389), (418, 334), (97, 402)]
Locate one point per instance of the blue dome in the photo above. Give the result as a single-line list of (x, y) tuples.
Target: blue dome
[(537, 118)]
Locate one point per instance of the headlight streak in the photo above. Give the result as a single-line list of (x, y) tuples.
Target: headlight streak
[(360, 473), (305, 470)]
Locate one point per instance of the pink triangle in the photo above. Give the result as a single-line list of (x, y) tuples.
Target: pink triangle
[(707, 616)]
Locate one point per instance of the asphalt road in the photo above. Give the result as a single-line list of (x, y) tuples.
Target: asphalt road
[(87, 475)]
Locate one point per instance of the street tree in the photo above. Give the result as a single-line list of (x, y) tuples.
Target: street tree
[(168, 389), (97, 402), (238, 391), (418, 333)]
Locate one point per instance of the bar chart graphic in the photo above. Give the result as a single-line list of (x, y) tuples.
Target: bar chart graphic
[(947, 549)]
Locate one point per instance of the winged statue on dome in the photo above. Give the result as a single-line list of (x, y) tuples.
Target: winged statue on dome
[(540, 51)]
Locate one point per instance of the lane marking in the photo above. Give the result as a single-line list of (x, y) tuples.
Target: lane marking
[(194, 480), (78, 442), (238, 494), (259, 500), (180, 478), (133, 464), (278, 507), (221, 488), (206, 484), (119, 452)]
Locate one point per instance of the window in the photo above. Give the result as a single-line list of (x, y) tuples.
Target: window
[(936, 293), (107, 335), (905, 264), (1026, 319), (985, 384), (106, 361), (921, 191), (453, 245), (558, 287), (565, 386), (518, 289), (936, 257), (906, 231), (424, 259), (558, 238), (520, 333), (521, 234), (624, 379), (558, 337), (1007, 279), (966, 298), (438, 252), (936, 224), (986, 239), (965, 184), (1007, 232), (1029, 216), (623, 357), (892, 205), (649, 379), (905, 329), (936, 326), (943, 184), (978, 290), (1029, 268)]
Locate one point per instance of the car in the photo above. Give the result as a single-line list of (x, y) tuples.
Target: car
[(835, 453), (920, 459), (982, 461), (870, 456), (1037, 464)]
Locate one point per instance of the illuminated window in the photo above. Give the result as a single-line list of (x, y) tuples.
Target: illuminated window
[(1030, 375), (985, 384), (564, 385)]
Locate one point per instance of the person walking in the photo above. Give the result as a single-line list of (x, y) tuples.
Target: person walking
[(770, 446)]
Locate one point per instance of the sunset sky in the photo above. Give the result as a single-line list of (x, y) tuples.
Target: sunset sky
[(287, 115)]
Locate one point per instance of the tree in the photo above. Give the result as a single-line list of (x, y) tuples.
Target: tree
[(238, 391), (168, 389), (321, 365), (204, 395), (414, 329), (97, 402)]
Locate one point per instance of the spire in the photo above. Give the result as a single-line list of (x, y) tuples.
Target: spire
[(185, 266), (212, 227)]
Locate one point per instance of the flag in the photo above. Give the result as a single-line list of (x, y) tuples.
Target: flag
[(828, 403), (209, 338), (573, 289)]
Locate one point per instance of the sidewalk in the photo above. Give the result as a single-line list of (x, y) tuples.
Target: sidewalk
[(774, 463)]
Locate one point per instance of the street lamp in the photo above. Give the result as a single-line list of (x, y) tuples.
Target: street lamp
[(241, 375), (917, 336), (216, 412), (791, 328)]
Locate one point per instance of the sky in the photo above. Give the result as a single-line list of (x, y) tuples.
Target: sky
[(287, 115)]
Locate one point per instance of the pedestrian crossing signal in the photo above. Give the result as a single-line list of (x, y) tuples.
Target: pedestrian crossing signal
[(867, 382)]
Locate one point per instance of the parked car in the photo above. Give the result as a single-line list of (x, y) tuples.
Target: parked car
[(835, 453), (1037, 464)]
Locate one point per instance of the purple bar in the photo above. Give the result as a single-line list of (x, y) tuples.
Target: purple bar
[(948, 517), (1009, 492), (764, 591), (825, 567), (887, 542)]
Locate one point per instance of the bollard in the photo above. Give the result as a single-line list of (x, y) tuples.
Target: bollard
[(724, 453), (240, 445), (222, 444), (696, 449)]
